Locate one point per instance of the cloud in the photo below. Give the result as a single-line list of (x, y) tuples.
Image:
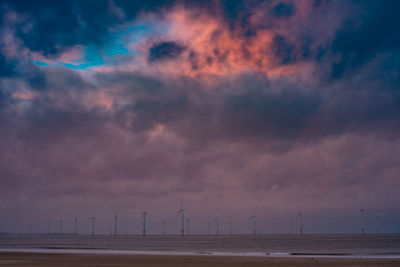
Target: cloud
[(165, 50), (282, 10), (244, 107), (358, 42)]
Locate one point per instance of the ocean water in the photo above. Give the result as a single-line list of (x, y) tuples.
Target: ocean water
[(335, 245)]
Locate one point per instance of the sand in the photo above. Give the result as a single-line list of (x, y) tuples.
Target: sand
[(44, 260)]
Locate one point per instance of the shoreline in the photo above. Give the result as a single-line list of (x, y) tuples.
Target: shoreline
[(191, 253), (23, 259)]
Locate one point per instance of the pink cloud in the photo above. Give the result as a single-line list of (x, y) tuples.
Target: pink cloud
[(73, 56), (23, 95)]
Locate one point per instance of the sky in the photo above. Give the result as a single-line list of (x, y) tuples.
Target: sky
[(229, 108)]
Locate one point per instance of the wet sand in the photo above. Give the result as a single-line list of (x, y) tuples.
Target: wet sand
[(47, 260)]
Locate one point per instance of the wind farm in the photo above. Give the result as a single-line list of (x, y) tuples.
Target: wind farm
[(187, 242), (183, 225)]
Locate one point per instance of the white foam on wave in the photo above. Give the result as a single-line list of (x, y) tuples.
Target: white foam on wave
[(279, 254)]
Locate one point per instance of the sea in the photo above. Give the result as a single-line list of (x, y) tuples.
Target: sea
[(316, 245)]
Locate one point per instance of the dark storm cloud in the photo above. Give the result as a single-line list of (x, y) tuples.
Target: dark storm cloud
[(284, 50), (53, 26), (165, 50), (7, 67), (274, 115), (282, 10), (370, 31)]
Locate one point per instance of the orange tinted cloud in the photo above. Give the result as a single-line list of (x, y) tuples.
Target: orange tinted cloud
[(214, 49), (24, 95)]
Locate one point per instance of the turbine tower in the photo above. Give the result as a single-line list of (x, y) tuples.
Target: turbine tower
[(301, 223), (182, 212), (231, 228), (208, 228), (48, 227), (92, 219), (144, 223), (291, 225), (254, 223), (61, 224), (217, 221), (163, 227), (330, 224), (377, 223), (115, 224), (362, 222), (75, 225), (187, 226)]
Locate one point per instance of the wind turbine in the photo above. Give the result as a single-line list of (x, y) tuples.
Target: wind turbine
[(163, 227), (254, 223), (144, 223), (181, 211), (377, 223), (362, 222), (75, 225), (48, 226), (301, 223), (208, 228), (115, 224), (291, 225), (61, 224), (92, 219), (217, 221)]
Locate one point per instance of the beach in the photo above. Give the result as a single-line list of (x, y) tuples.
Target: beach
[(200, 250), (54, 259)]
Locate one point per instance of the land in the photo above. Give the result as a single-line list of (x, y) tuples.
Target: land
[(46, 260)]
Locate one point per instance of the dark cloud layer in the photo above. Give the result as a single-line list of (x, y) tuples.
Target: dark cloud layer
[(165, 50), (308, 121)]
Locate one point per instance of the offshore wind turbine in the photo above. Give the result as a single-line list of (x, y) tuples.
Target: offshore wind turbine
[(254, 223), (75, 226), (362, 222), (217, 221), (115, 224), (208, 227), (92, 219), (291, 225), (163, 227), (181, 211), (377, 223), (144, 222), (61, 225), (300, 223), (48, 227)]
